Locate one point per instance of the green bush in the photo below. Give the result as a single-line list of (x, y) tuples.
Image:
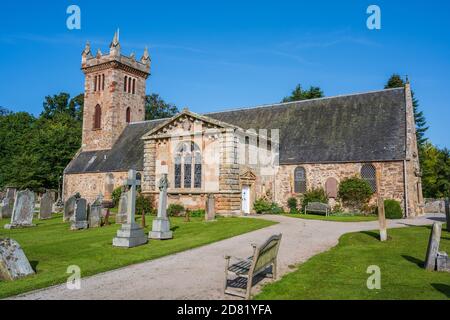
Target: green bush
[(275, 209), (292, 205), (143, 204), (392, 209), (262, 206), (175, 210), (314, 195), (116, 196), (354, 192), (198, 213)]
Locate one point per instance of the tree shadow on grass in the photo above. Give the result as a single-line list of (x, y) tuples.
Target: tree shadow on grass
[(34, 265), (445, 289), (372, 234), (414, 260)]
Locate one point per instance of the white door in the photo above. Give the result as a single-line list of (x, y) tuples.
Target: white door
[(246, 199)]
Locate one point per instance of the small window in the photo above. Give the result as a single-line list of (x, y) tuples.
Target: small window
[(103, 82), (300, 180), (125, 83), (98, 117), (134, 86), (95, 83), (369, 173), (129, 85), (128, 115)]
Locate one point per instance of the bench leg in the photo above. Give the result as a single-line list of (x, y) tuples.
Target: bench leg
[(227, 265), (249, 287), (274, 271)]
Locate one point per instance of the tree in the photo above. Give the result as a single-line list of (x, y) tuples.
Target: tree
[(299, 94), (395, 81), (61, 103), (435, 171), (157, 108), (4, 111)]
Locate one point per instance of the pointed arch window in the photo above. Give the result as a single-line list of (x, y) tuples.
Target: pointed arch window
[(300, 180), (188, 166), (125, 83), (97, 117), (369, 174), (128, 115)]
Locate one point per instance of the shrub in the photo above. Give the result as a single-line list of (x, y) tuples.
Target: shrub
[(275, 209), (262, 206), (354, 192), (392, 209), (292, 205), (198, 213), (314, 195), (175, 210), (143, 204), (116, 196)]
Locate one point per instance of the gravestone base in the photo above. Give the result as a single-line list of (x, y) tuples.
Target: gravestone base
[(79, 225), (13, 262), (442, 262), (129, 236), (161, 229), (18, 226)]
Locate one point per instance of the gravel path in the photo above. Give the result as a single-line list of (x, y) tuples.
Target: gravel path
[(199, 273)]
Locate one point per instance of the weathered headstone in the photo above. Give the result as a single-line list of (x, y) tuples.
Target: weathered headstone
[(447, 213), (95, 213), (23, 211), (46, 207), (130, 234), (442, 262), (13, 262), (210, 208), (6, 207), (69, 207), (121, 216), (161, 224), (79, 218), (433, 247), (106, 218), (382, 219)]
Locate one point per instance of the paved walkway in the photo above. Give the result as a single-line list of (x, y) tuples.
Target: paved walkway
[(199, 273)]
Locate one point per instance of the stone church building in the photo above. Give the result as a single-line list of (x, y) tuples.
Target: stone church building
[(276, 151)]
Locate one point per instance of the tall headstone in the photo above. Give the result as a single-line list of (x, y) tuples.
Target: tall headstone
[(210, 208), (382, 219), (23, 211), (108, 190), (447, 213), (7, 203), (13, 262), (122, 213), (78, 220), (95, 213), (433, 247), (46, 207), (69, 207), (130, 234), (161, 224)]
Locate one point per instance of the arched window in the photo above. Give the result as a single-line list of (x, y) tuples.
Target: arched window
[(300, 180), (331, 188), (103, 82), (128, 115), (188, 164), (134, 86), (98, 117), (369, 173), (125, 83), (129, 85)]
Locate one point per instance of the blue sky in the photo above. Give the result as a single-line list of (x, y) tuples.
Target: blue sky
[(213, 55)]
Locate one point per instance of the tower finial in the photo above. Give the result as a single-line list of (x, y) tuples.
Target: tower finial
[(146, 57), (115, 41), (114, 48)]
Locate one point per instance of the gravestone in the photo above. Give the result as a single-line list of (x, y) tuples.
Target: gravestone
[(210, 208), (6, 207), (13, 262), (121, 216), (447, 213), (331, 187), (382, 219), (46, 206), (130, 234), (95, 213), (69, 207), (79, 218), (106, 218), (22, 215), (433, 247), (161, 224)]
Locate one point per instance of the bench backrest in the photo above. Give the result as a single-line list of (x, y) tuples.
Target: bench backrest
[(265, 254), (317, 206)]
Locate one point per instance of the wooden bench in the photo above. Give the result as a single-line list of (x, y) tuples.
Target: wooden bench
[(318, 207), (246, 271)]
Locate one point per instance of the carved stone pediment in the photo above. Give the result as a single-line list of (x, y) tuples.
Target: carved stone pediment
[(248, 176)]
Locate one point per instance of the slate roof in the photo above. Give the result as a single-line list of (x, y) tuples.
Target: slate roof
[(354, 128)]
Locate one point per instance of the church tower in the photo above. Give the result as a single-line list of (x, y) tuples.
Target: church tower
[(114, 94)]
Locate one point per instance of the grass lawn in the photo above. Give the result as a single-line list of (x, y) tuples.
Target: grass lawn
[(340, 273), (51, 247), (332, 218)]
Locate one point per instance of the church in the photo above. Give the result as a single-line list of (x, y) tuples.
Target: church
[(275, 151)]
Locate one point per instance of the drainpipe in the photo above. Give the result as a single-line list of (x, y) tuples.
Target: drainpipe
[(406, 189)]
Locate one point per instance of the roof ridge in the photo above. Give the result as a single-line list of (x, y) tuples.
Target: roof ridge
[(301, 101), (147, 121)]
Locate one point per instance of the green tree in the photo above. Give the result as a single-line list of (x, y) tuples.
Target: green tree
[(299, 94), (395, 81), (435, 171), (157, 108), (61, 103)]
